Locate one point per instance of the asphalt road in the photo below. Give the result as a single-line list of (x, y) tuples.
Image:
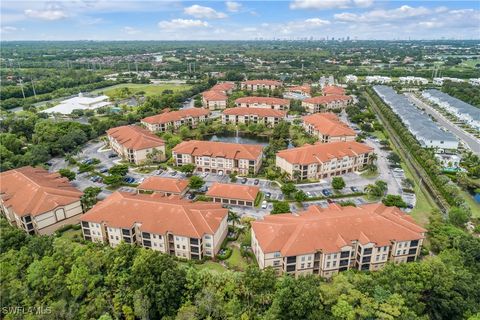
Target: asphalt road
[(469, 140)]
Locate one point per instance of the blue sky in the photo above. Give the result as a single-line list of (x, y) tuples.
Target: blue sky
[(238, 20)]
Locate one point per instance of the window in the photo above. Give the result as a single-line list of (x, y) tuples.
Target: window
[(334, 263), (183, 247), (276, 255), (384, 256), (116, 237), (309, 265), (302, 266), (335, 256), (309, 258), (414, 243), (328, 264), (303, 258), (178, 246)]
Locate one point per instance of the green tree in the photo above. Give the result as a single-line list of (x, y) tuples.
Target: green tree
[(196, 182), (113, 180), (69, 174), (300, 196), (459, 216), (119, 170), (391, 200), (288, 189), (280, 207), (89, 197), (338, 183), (187, 168)]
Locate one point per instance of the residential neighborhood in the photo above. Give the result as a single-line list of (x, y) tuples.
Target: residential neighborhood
[(250, 160)]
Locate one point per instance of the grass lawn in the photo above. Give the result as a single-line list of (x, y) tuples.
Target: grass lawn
[(379, 135), (215, 266), (423, 206), (72, 234), (149, 89), (236, 261), (474, 206)]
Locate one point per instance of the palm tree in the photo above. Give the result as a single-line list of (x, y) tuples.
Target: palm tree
[(372, 158), (233, 217)]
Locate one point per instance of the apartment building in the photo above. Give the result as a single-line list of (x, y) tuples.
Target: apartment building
[(233, 194), (263, 102), (327, 127), (219, 157), (38, 201), (268, 117), (136, 144), (224, 87), (214, 100), (322, 103), (188, 230), (164, 186), (333, 91), (174, 119), (326, 241), (323, 160), (254, 85)]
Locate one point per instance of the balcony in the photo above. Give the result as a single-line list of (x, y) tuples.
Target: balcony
[(146, 235), (344, 254), (85, 224), (291, 259)]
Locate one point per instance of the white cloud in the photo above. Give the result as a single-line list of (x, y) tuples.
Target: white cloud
[(51, 12), (182, 24), (233, 6), (401, 13), (130, 30), (329, 4), (204, 12), (7, 29), (317, 22), (303, 26)]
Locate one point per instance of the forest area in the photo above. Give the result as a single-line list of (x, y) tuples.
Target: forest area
[(73, 279)]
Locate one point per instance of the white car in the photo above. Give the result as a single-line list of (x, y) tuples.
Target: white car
[(264, 204)]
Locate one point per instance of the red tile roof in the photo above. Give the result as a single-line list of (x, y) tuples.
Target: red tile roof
[(214, 96), (157, 214), (329, 229), (323, 152), (328, 124), (135, 137), (261, 112), (160, 184), (34, 191), (223, 86), (333, 90), (172, 116), (327, 99), (263, 100), (233, 191), (262, 82), (219, 149)]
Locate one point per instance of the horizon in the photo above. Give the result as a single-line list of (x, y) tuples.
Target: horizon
[(295, 20)]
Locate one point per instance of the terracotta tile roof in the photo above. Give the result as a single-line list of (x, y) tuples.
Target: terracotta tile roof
[(233, 191), (34, 191), (214, 96), (161, 184), (333, 90), (223, 86), (262, 82), (263, 100), (261, 112), (323, 152), (135, 137), (329, 229), (219, 149), (327, 99), (172, 116), (157, 214), (304, 88), (328, 124)]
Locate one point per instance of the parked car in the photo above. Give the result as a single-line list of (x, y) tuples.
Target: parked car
[(159, 171), (309, 194), (268, 195), (204, 175), (173, 173), (354, 189), (49, 164), (129, 180), (220, 173), (326, 192), (87, 161), (264, 204), (112, 155), (256, 181), (244, 180), (203, 189), (191, 196), (103, 170)]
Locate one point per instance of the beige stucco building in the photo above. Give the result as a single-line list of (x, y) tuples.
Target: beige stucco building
[(214, 100), (37, 201), (174, 119), (254, 85), (136, 144), (326, 103), (327, 127), (268, 117), (263, 102), (323, 160), (180, 228), (219, 157), (326, 241)]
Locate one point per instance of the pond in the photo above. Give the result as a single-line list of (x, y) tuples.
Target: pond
[(242, 138)]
